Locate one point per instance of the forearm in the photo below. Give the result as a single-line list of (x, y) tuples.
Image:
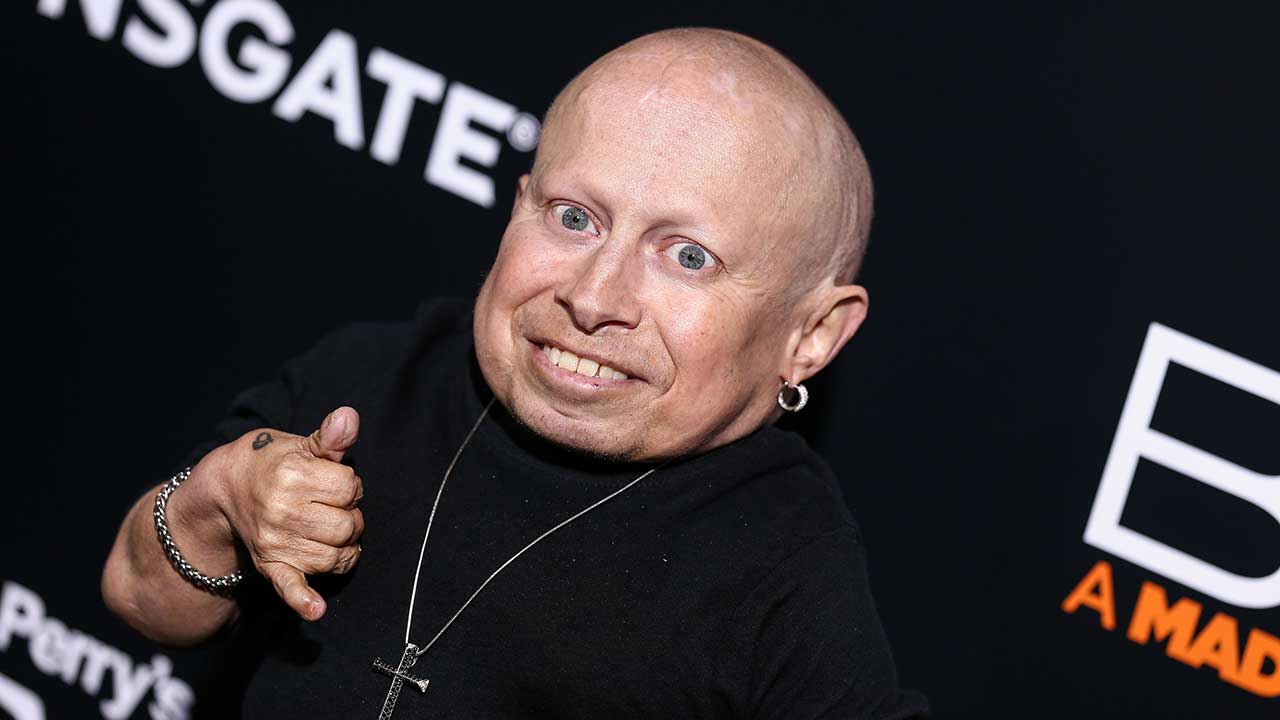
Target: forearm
[(140, 585)]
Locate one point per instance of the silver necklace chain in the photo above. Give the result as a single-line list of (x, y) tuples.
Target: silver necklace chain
[(431, 518)]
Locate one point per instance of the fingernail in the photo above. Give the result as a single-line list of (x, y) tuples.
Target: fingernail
[(315, 609)]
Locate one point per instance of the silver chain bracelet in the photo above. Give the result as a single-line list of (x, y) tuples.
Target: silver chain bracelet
[(224, 585)]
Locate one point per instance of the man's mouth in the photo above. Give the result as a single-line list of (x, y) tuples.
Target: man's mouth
[(587, 367)]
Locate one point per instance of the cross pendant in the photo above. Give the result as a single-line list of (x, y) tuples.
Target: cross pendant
[(399, 676)]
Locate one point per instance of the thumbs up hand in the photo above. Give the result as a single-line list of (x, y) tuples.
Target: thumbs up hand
[(292, 503)]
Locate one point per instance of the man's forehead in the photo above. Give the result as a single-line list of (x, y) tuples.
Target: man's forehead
[(681, 140), (657, 177)]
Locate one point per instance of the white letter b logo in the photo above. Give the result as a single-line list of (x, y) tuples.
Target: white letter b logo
[(1136, 439)]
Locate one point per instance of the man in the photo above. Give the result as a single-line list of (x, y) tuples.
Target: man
[(570, 502)]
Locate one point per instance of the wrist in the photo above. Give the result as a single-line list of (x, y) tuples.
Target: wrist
[(197, 514)]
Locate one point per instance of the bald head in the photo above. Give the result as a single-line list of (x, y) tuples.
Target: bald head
[(810, 171)]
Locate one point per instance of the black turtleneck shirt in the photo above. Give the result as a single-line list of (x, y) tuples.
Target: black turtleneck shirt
[(730, 584)]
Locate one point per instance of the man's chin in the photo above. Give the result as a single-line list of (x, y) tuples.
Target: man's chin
[(591, 438)]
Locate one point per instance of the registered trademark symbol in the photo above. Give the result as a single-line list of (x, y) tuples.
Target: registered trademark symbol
[(524, 131)]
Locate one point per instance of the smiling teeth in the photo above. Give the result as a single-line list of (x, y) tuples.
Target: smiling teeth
[(583, 366)]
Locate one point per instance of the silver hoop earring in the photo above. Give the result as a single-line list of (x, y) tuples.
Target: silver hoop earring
[(800, 401)]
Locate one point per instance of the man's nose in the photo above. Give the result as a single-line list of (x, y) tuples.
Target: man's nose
[(602, 289)]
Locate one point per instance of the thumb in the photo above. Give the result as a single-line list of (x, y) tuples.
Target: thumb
[(336, 434), (291, 586)]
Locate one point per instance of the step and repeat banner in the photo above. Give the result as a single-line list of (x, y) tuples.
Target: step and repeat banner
[(1059, 428)]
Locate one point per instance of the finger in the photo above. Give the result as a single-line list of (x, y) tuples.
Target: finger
[(317, 558), (347, 558), (291, 586), (333, 484), (336, 527), (335, 435)]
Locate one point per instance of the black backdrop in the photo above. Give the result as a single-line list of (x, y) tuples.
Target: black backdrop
[(1050, 184)]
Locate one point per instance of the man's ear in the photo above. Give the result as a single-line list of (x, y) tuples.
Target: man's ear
[(835, 318), (521, 184)]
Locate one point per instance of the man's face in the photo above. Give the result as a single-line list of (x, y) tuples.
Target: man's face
[(645, 241)]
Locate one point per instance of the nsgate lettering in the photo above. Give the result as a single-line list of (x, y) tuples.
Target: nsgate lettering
[(1216, 644), (164, 34)]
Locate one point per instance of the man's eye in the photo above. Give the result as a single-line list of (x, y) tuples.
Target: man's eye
[(575, 219), (691, 256)]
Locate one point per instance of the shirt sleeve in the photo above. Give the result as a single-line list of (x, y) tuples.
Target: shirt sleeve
[(267, 405), (344, 368), (814, 640), (322, 374)]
